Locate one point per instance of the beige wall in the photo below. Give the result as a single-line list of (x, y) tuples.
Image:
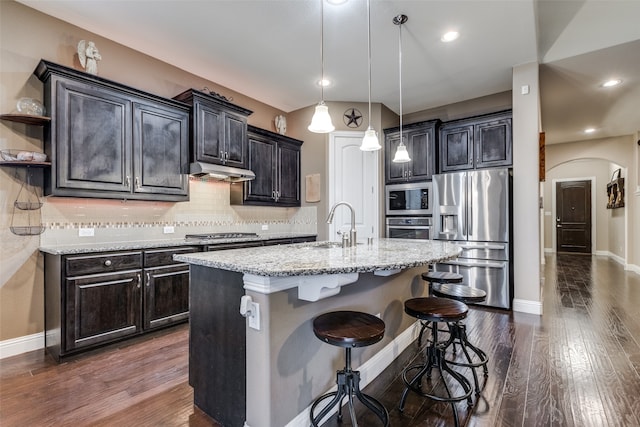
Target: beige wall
[(26, 36), (613, 152)]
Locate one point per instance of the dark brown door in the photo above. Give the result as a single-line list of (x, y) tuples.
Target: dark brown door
[(573, 216)]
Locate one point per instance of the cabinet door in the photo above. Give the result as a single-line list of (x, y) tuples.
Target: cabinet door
[(209, 134), (288, 175), (93, 138), (161, 151), (166, 296), (493, 143), (394, 172), (421, 149), (102, 308), (235, 129), (456, 148), (262, 158)]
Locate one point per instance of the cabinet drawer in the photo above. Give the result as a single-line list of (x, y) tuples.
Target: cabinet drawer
[(103, 263), (161, 257)]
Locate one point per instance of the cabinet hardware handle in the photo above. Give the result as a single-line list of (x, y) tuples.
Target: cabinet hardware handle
[(222, 155), (138, 182), (273, 194), (107, 263), (127, 181), (148, 279), (138, 276)]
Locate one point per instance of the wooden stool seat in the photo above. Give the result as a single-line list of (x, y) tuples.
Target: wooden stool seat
[(348, 329), (436, 309), (442, 277), (462, 293)]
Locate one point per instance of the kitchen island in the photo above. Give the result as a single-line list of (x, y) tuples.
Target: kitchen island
[(266, 370)]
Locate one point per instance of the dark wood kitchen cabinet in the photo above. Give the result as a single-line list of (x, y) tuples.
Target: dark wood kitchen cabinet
[(107, 140), (97, 298), (218, 129), (476, 142), (275, 160), (420, 140)]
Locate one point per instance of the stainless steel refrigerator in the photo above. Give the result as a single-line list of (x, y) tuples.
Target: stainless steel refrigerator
[(473, 209)]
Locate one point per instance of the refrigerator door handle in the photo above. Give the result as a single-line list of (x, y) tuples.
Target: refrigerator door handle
[(470, 216), (485, 264), (481, 246)]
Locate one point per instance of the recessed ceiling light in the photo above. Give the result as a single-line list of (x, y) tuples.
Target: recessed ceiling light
[(449, 36), (324, 82), (589, 130), (611, 83), (336, 2)]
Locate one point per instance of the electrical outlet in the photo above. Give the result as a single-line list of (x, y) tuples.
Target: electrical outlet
[(254, 319), (86, 232), (265, 227), (169, 229)]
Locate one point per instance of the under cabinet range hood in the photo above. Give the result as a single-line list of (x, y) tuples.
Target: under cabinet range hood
[(220, 172)]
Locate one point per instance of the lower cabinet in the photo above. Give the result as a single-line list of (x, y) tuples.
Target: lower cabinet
[(99, 298)]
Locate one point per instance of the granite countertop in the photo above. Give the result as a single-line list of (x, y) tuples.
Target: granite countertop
[(326, 257), (149, 244)]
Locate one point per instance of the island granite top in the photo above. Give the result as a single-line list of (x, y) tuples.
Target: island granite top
[(315, 258)]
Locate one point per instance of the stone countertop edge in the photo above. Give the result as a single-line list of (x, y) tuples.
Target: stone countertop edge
[(303, 259), (151, 244)]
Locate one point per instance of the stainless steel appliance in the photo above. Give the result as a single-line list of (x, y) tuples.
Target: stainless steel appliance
[(412, 198), (409, 227), (473, 209)]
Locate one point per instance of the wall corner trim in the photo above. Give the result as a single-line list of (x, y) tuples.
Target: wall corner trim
[(526, 306), (24, 344)]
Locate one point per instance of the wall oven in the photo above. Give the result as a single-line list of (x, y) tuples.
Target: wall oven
[(409, 227), (409, 199)]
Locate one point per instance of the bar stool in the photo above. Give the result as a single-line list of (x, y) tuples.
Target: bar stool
[(434, 277), (348, 329), (458, 330), (435, 310)]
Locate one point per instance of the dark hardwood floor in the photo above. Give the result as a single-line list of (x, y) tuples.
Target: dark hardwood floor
[(577, 365)]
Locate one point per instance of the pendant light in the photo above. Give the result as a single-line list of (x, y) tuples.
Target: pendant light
[(321, 120), (370, 141), (402, 156)]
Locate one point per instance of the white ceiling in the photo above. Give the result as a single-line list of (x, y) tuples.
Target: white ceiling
[(270, 50)]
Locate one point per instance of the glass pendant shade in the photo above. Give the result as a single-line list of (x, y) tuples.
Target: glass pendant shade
[(321, 120), (402, 156), (370, 141)]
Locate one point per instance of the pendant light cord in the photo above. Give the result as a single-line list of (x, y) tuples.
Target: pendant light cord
[(369, 49), (322, 50), (400, 73)]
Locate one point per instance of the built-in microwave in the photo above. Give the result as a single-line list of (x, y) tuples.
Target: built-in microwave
[(412, 198)]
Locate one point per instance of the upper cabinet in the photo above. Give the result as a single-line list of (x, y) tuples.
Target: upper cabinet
[(107, 140), (476, 142), (218, 129), (420, 139), (275, 159)]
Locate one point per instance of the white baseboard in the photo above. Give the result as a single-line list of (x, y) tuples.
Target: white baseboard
[(15, 346), (369, 370), (549, 251), (526, 306)]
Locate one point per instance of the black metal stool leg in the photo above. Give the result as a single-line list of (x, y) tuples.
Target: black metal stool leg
[(348, 386), (458, 332)]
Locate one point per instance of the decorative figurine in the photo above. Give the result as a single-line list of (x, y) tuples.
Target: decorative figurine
[(89, 56), (281, 124)]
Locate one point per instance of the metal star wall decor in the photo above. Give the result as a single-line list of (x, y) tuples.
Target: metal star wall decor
[(352, 118)]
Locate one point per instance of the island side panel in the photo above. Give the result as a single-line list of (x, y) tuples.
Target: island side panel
[(291, 367), (217, 344)]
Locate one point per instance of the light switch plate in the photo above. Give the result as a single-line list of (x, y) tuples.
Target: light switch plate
[(169, 229), (265, 227)]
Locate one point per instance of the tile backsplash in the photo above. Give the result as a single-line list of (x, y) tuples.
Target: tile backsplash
[(207, 211)]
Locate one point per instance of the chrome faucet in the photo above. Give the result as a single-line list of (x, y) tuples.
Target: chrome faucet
[(352, 232)]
